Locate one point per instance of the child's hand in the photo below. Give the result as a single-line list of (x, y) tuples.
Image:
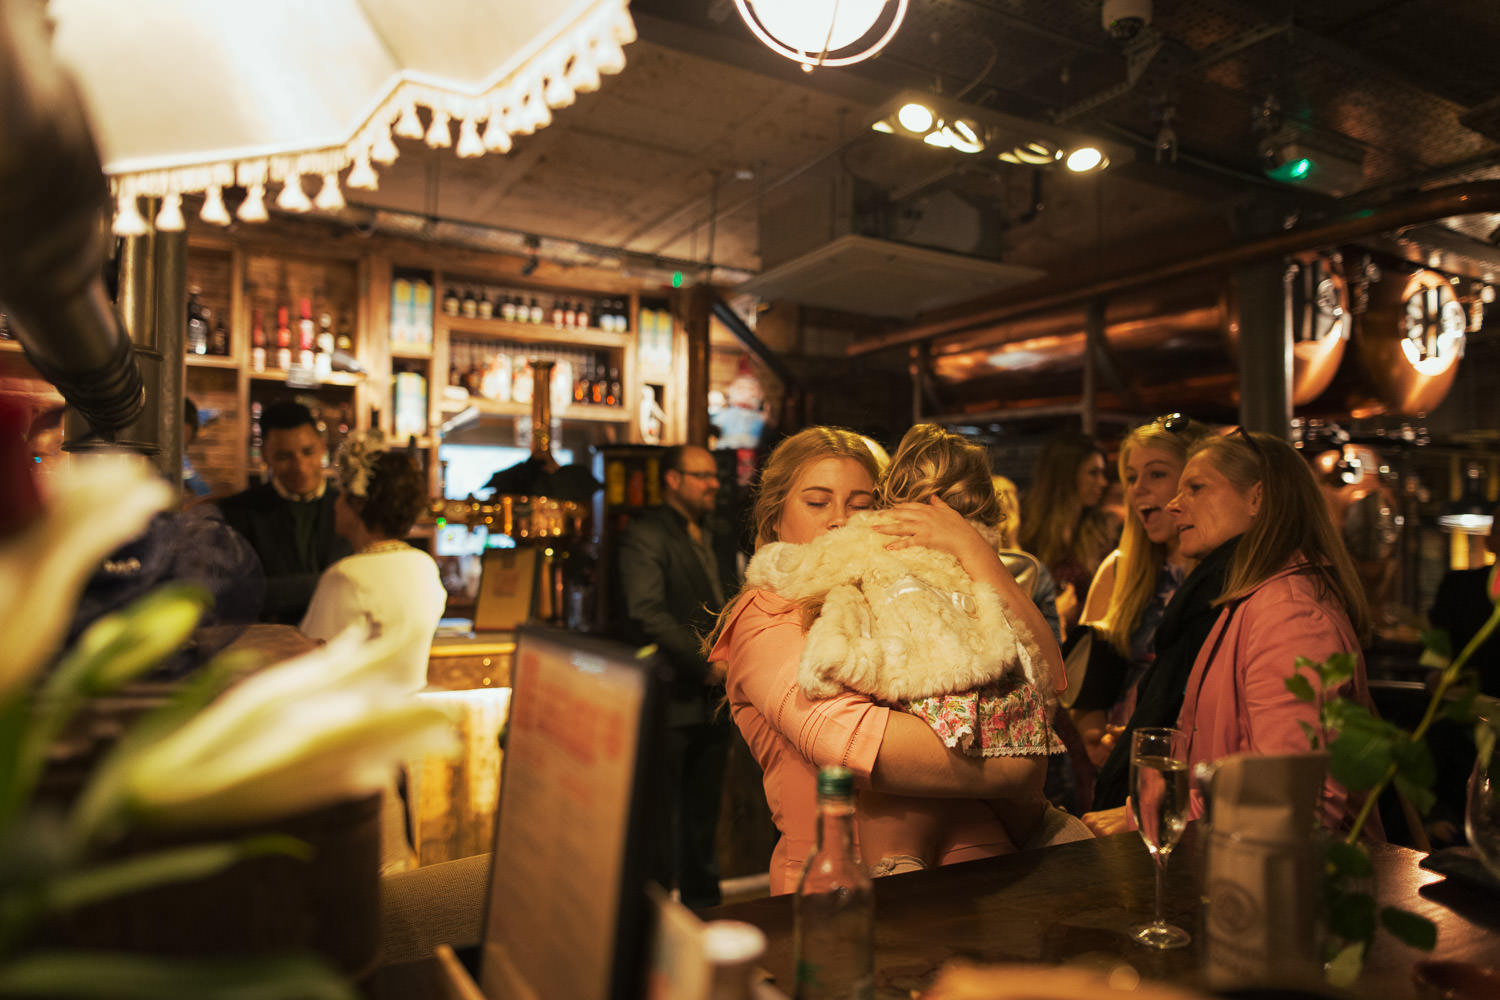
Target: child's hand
[(933, 525), (1107, 821)]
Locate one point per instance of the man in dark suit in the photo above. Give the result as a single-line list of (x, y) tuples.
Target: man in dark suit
[(1462, 605), (671, 587), (289, 520)]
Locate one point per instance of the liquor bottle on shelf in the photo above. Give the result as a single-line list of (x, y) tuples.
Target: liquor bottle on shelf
[(323, 360), (451, 303), (485, 305), (197, 324), (559, 313), (523, 380), (218, 341), (343, 341), (597, 385), (456, 350), (283, 338), (581, 385), (612, 394), (582, 310), (257, 342), (474, 373), (508, 307), (622, 313), (833, 911), (343, 349), (496, 382), (534, 310), (570, 315), (469, 305), (307, 335)]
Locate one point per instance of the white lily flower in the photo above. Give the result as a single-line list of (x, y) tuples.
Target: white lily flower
[(317, 729), (95, 506)]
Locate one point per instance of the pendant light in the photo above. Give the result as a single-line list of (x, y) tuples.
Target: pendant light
[(823, 32)]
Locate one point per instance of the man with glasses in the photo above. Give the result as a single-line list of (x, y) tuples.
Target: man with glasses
[(671, 587)]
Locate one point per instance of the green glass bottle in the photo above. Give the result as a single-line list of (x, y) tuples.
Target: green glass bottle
[(835, 905)]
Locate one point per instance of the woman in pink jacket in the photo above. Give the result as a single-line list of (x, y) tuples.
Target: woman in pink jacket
[(811, 484), (1291, 591)]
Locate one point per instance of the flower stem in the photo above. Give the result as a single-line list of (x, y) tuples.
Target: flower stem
[(1446, 679)]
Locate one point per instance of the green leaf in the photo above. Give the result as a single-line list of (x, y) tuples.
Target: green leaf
[(1344, 968), (1414, 761), (1351, 915), (1349, 860), (1410, 928), (1484, 742), (1300, 687), (86, 975), (1463, 708), (179, 864), (1313, 733), (1337, 669), (1421, 799), (1360, 756), (1438, 641)]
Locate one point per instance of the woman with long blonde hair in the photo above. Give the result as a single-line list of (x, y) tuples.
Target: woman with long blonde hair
[(1290, 591), (812, 483)]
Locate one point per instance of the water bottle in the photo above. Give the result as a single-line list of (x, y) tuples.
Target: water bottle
[(834, 909)]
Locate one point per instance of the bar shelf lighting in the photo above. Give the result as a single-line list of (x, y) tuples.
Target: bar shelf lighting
[(976, 131)]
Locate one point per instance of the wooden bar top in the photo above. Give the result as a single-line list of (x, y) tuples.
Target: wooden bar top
[(1076, 903)]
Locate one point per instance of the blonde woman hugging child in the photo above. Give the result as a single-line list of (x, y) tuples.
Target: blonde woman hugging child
[(910, 607)]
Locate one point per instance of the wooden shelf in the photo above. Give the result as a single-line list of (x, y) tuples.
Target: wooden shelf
[(336, 378), (211, 361), (411, 353), (535, 333), (11, 346), (597, 414)]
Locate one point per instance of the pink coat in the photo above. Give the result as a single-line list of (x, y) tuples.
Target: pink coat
[(1239, 701), (792, 736)]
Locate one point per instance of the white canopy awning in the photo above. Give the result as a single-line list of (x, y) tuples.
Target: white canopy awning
[(190, 96)]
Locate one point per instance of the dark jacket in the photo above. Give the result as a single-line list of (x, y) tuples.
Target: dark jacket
[(264, 518), (1462, 606), (665, 597), (1185, 624)]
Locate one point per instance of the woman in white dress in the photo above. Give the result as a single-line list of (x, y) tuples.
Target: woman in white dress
[(386, 584)]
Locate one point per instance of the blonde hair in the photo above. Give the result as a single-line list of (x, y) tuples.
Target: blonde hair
[(1010, 512), (1292, 521), (932, 461), (780, 473), (1055, 525), (1140, 562)]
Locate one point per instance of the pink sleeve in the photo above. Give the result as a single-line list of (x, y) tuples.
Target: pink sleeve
[(762, 644), (1273, 716)]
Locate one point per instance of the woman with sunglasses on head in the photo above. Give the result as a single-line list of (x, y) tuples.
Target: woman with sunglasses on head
[(1127, 603), (1063, 520), (1290, 591)]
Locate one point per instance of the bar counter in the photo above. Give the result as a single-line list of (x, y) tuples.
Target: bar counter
[(1076, 904)]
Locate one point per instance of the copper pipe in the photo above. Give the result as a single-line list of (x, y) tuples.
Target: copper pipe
[(1426, 206)]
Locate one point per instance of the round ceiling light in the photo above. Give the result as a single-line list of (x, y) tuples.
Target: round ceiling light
[(915, 117), (1086, 158), (823, 32)]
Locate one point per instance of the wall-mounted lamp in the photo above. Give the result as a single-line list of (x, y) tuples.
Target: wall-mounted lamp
[(823, 32), (974, 131)]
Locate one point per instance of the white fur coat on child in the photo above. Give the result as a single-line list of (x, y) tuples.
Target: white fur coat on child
[(896, 625)]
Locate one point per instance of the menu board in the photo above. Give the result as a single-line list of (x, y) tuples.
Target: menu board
[(568, 911)]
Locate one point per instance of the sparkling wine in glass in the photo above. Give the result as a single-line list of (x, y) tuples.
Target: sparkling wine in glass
[(1159, 802)]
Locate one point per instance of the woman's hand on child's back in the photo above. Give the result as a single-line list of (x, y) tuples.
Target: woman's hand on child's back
[(933, 525)]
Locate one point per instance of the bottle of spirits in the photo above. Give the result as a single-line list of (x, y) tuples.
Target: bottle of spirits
[(584, 320), (343, 341), (534, 311), (508, 308), (570, 315), (559, 313), (283, 338), (597, 386), (612, 393), (486, 305), (307, 335), (622, 314), (581, 385), (257, 342), (218, 342), (455, 363), (469, 305), (451, 303), (325, 344), (833, 935), (197, 324)]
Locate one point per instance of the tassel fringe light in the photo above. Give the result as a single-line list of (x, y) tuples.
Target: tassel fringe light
[(518, 104)]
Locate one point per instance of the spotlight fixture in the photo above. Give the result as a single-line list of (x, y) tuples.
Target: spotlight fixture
[(532, 260), (823, 32), (947, 124)]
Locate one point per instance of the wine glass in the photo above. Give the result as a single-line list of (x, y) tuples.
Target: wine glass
[(1159, 803)]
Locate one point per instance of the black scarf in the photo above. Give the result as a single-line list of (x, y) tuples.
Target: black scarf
[(1185, 624)]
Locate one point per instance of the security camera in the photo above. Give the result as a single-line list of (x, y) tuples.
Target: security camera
[(1124, 19)]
